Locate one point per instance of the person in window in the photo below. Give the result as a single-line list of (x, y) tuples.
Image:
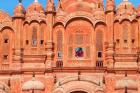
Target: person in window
[(79, 52)]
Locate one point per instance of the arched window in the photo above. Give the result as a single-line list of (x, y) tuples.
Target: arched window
[(79, 45), (59, 44), (99, 43), (42, 32), (133, 33), (34, 36)]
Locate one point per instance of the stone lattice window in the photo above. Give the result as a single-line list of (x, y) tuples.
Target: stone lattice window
[(125, 32), (125, 35), (99, 43), (133, 33), (42, 36), (34, 37), (79, 45), (59, 44)]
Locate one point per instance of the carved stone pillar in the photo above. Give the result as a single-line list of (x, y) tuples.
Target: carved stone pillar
[(110, 55), (50, 55)]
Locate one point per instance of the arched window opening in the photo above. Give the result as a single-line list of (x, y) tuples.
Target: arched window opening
[(27, 42), (59, 45), (26, 34), (133, 33), (117, 41), (5, 57), (42, 35), (34, 37), (99, 43), (41, 42), (6, 40), (99, 48)]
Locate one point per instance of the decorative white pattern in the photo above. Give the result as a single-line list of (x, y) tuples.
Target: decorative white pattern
[(33, 85)]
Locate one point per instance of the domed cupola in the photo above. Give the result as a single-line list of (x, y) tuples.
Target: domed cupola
[(35, 12), (35, 6), (126, 10), (19, 10)]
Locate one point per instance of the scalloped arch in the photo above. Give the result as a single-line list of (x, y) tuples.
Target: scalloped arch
[(58, 23), (126, 18), (6, 27), (80, 14), (31, 21)]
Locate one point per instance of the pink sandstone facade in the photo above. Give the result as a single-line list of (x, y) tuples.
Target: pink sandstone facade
[(80, 46)]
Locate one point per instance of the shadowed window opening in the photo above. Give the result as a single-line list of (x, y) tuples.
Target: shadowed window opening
[(125, 41), (100, 54), (5, 57), (59, 44), (117, 41), (133, 41), (6, 41), (27, 42), (42, 42)]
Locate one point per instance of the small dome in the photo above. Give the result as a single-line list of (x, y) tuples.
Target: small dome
[(33, 84), (125, 4), (19, 10), (126, 8), (35, 7)]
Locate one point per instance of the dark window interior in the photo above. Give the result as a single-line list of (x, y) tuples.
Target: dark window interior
[(125, 41), (117, 41), (6, 41), (99, 54), (42, 42), (27, 42), (133, 41), (5, 57)]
